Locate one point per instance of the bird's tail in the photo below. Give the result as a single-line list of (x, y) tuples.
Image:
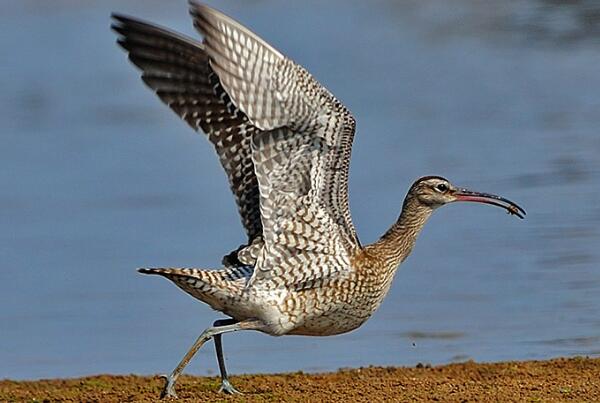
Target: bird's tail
[(217, 288)]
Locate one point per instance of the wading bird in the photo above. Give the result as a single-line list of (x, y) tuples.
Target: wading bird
[(284, 142)]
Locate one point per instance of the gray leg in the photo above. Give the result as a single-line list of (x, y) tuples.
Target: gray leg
[(169, 390), (226, 386)]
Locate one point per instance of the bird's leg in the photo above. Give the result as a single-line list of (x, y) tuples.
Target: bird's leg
[(226, 386), (169, 389)]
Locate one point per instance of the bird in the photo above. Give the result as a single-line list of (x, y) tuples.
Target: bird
[(284, 142)]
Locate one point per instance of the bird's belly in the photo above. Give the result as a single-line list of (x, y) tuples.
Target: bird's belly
[(329, 307), (328, 324), (313, 312)]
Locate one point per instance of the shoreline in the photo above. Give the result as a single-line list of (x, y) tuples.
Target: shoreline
[(561, 379)]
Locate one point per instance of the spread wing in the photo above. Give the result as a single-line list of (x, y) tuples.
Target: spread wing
[(301, 155), (178, 70)]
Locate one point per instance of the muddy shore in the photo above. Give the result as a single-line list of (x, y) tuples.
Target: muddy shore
[(573, 379)]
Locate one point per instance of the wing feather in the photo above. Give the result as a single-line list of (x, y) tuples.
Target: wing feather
[(283, 139), (276, 93), (177, 68), (300, 158)]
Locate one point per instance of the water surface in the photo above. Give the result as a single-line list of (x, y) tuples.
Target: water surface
[(99, 178)]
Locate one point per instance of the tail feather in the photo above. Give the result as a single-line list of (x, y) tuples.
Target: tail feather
[(144, 270), (217, 288), (167, 271), (227, 274)]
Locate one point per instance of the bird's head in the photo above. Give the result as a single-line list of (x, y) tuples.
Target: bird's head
[(435, 191)]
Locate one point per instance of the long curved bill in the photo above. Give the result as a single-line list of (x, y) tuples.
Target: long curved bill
[(470, 196)]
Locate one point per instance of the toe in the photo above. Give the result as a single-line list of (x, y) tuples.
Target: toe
[(169, 389), (227, 387)]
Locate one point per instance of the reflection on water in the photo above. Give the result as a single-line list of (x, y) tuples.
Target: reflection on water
[(99, 178)]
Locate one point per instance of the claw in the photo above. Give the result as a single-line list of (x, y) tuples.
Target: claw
[(227, 387), (169, 389)]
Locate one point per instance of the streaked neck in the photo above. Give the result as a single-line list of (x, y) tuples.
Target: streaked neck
[(397, 243)]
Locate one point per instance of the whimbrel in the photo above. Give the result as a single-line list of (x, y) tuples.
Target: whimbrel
[(284, 142)]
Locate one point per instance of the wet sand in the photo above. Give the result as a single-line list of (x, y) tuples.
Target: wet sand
[(573, 379)]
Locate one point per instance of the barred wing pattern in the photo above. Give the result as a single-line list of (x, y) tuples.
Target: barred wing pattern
[(178, 70), (301, 158), (303, 244)]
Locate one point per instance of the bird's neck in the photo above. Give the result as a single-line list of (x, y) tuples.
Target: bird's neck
[(397, 243), (380, 260)]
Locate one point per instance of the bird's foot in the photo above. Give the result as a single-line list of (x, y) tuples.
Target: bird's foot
[(227, 387), (169, 389)]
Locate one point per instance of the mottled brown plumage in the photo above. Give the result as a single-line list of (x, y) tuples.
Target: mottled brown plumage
[(284, 142)]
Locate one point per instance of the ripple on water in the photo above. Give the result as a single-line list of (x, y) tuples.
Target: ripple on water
[(584, 341), (421, 335)]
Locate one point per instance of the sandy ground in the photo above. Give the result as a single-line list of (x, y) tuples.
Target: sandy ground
[(574, 379)]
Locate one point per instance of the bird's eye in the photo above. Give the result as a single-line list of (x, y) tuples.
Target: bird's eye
[(442, 187)]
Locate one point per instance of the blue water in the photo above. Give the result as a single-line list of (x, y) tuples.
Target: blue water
[(97, 178)]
